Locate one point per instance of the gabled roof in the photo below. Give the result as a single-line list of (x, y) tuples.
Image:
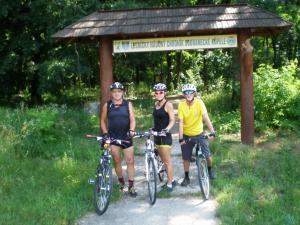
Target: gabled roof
[(173, 21)]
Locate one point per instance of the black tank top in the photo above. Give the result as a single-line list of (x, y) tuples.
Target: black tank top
[(161, 118), (118, 119)]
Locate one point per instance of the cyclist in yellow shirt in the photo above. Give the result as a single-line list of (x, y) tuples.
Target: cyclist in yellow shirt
[(191, 114)]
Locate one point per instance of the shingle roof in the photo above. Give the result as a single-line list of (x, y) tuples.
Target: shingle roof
[(173, 21)]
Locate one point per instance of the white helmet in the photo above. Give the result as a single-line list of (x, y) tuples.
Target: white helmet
[(160, 87), (189, 87)]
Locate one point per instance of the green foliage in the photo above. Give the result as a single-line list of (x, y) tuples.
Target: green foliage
[(275, 94), (257, 185), (45, 131)]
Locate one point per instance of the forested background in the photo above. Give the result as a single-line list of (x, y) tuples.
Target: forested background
[(35, 70)]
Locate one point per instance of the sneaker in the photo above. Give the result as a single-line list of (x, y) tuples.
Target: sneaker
[(121, 187), (169, 189), (185, 182), (211, 174), (132, 192)]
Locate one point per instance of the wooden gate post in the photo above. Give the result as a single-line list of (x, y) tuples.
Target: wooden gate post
[(106, 75), (246, 77)]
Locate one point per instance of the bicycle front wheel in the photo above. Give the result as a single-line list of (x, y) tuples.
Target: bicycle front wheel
[(103, 188), (203, 177), (151, 180)]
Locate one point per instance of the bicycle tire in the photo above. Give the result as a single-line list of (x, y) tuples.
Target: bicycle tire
[(203, 177), (103, 188), (151, 180)]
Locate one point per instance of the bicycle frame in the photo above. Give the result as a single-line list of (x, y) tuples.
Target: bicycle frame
[(149, 153)]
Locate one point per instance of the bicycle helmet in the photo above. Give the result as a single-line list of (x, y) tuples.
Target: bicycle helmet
[(116, 85), (189, 87), (160, 87)]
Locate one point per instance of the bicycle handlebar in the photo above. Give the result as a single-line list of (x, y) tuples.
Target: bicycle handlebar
[(107, 140), (206, 136), (150, 133)]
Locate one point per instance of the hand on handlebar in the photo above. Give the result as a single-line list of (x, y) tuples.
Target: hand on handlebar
[(211, 135), (165, 130), (105, 136), (131, 133)]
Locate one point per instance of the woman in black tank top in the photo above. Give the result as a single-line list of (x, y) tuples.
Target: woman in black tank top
[(163, 115), (117, 120)]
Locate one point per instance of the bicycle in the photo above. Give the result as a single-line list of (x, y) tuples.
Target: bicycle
[(202, 169), (153, 163), (103, 174)]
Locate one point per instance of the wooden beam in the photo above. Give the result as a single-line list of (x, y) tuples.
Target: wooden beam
[(106, 75), (246, 77)]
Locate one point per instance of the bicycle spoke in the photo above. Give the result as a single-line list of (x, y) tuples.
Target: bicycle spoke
[(103, 190), (151, 179), (203, 177)]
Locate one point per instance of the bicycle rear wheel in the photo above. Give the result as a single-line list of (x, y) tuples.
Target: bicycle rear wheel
[(103, 188), (203, 177), (151, 180)]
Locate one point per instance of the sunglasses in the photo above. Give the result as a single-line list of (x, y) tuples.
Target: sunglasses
[(188, 92), (158, 93)]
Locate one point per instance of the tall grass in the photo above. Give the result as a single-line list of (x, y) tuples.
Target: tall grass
[(258, 185), (45, 163)]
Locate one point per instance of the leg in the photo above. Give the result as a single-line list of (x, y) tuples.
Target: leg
[(209, 161), (186, 150), (207, 154), (115, 150), (129, 158), (165, 155)]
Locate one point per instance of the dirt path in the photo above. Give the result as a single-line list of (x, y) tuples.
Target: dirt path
[(184, 206)]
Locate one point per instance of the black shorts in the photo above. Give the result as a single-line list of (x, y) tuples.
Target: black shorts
[(190, 142), (161, 141)]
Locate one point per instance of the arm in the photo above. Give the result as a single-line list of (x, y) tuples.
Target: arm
[(180, 121), (169, 109), (131, 117), (103, 120), (207, 120)]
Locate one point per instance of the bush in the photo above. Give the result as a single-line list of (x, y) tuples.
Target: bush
[(46, 131), (275, 92)]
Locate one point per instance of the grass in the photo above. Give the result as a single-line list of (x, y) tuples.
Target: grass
[(258, 185), (45, 162)]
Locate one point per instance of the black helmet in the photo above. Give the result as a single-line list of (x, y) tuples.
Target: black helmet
[(116, 85)]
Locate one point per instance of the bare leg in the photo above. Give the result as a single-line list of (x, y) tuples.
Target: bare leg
[(129, 158), (186, 165), (209, 161), (115, 150), (165, 155)]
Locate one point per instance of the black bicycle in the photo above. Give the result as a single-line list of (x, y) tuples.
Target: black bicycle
[(202, 169), (103, 174)]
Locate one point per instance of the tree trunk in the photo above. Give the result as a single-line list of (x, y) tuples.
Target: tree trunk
[(204, 73), (169, 74), (178, 68), (275, 61)]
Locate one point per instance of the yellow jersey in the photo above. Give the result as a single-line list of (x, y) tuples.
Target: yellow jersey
[(192, 116)]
